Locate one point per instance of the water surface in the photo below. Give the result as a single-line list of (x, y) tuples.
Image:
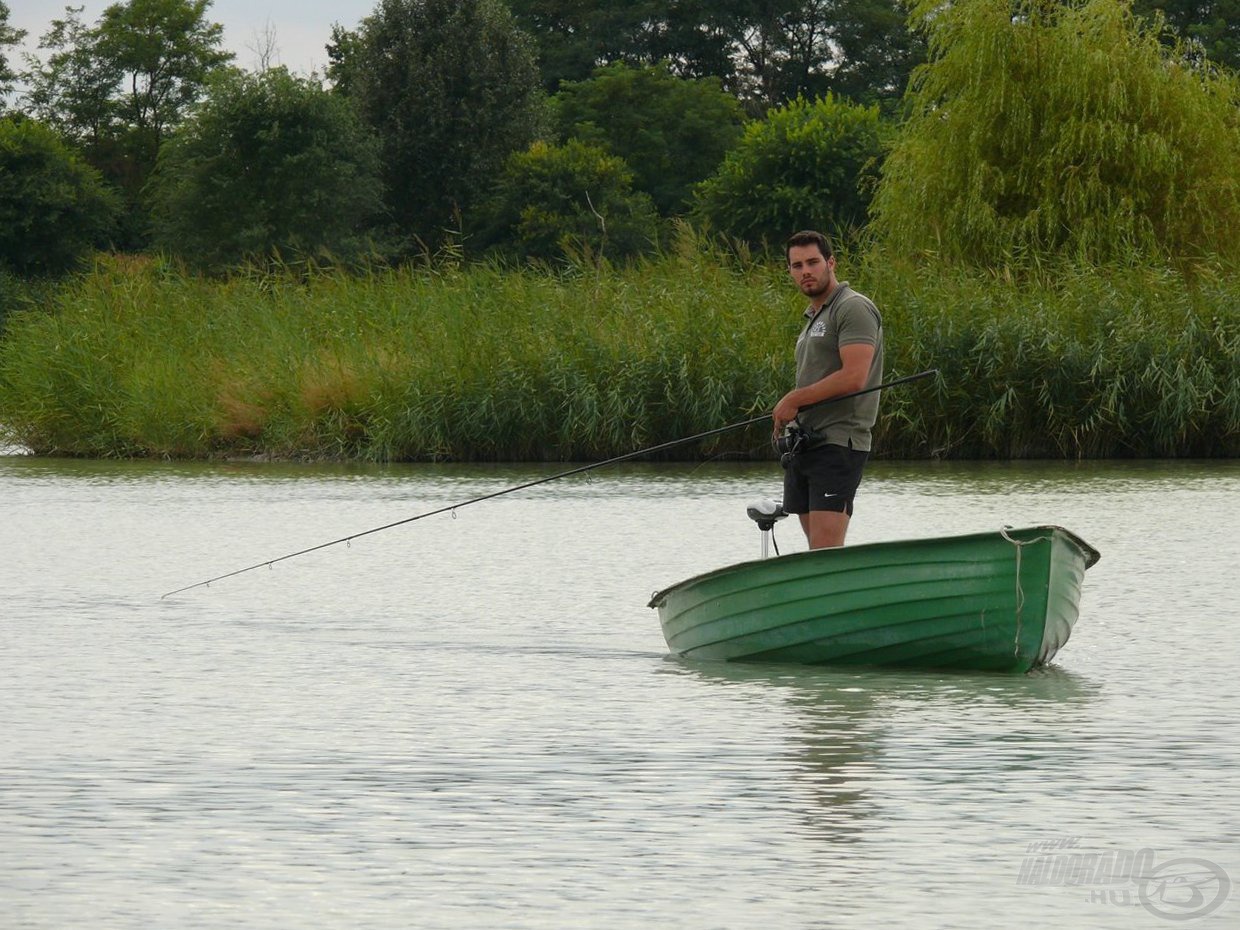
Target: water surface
[(473, 721)]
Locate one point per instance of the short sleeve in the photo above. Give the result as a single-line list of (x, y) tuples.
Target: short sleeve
[(858, 321)]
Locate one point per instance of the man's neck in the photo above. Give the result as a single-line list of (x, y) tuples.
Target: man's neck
[(821, 300)]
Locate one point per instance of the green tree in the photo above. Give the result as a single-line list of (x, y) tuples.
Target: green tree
[(766, 52), (269, 164), (782, 49), (117, 88), (451, 89), (8, 36), (877, 51), (72, 89), (165, 50), (556, 200), (1061, 130), (807, 165), (1211, 27), (576, 36), (54, 208), (673, 132)]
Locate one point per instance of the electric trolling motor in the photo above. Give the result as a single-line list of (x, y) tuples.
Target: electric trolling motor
[(766, 513)]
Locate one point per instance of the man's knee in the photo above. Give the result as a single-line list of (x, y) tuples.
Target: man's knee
[(825, 529)]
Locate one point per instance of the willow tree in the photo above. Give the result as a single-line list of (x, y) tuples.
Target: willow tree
[(1043, 128)]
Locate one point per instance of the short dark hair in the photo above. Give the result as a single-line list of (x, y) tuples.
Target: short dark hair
[(809, 237)]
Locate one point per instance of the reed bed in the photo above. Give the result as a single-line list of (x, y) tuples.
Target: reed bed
[(485, 363)]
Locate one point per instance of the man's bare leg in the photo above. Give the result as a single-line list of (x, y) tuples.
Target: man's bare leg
[(824, 529)]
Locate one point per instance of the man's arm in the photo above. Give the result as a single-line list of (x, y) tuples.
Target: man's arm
[(855, 357)]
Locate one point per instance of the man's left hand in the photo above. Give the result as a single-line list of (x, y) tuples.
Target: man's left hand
[(784, 413)]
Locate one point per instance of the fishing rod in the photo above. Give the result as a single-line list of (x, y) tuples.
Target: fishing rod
[(529, 484)]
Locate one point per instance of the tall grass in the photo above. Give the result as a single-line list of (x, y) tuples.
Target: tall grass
[(482, 363), (1089, 363)]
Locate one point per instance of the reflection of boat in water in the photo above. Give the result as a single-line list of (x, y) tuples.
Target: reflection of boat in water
[(838, 745), (858, 692), (1000, 601)]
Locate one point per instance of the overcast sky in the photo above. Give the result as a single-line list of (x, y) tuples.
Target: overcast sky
[(302, 27)]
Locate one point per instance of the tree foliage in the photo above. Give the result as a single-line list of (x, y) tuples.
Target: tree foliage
[(165, 50), (270, 164), (576, 36), (117, 88), (1063, 129), (766, 52), (556, 200), (451, 88), (877, 51), (1210, 28), (72, 89), (673, 132), (137, 70), (807, 165), (8, 36), (54, 208)]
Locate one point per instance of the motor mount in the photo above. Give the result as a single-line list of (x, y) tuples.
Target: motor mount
[(766, 513)]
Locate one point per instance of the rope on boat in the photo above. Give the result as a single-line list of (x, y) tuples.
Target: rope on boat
[(1020, 592)]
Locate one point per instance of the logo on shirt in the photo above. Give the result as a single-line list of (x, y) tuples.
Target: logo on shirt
[(819, 328)]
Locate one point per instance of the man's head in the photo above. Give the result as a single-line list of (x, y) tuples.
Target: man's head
[(809, 237), (811, 263)]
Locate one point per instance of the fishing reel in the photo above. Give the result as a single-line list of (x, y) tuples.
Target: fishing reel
[(792, 441)]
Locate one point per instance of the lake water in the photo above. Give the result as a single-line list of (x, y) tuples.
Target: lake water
[(473, 721)]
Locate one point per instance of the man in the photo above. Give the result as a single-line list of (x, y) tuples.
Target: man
[(839, 351)]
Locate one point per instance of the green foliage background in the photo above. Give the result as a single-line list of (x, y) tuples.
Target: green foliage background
[(671, 131), (54, 208), (808, 165), (1063, 131), (8, 36), (270, 165), (479, 362), (1056, 228), (556, 200), (451, 89)]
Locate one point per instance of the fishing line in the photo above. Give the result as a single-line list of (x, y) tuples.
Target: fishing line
[(452, 508)]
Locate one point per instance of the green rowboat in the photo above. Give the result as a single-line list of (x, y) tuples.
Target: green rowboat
[(1001, 601)]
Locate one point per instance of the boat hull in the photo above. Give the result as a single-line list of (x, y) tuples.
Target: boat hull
[(1002, 601)]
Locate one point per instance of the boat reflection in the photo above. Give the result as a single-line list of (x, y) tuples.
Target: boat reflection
[(859, 738)]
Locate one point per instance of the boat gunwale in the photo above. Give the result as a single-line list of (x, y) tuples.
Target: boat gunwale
[(1090, 553)]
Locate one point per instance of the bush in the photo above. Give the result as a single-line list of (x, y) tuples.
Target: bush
[(554, 201), (451, 88), (807, 165), (54, 208), (271, 164), (672, 131)]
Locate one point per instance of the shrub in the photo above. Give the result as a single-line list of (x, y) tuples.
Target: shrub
[(554, 200), (807, 165), (672, 131), (54, 208), (270, 164)]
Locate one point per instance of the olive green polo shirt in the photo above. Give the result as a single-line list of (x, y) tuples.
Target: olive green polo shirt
[(846, 318)]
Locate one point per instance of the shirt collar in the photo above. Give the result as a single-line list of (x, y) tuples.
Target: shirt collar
[(835, 295)]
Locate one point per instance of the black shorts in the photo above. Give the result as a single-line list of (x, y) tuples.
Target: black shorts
[(825, 478)]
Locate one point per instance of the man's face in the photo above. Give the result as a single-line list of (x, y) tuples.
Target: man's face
[(810, 271)]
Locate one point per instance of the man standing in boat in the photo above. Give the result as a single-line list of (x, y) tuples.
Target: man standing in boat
[(839, 351)]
